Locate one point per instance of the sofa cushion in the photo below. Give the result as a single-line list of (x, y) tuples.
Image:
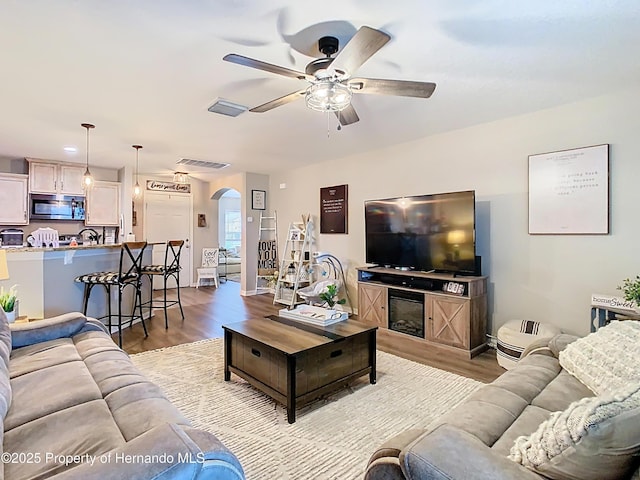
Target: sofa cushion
[(48, 390), (594, 438), (38, 356), (82, 429), (5, 351), (606, 360)]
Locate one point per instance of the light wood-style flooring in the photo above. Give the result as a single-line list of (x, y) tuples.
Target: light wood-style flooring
[(208, 308)]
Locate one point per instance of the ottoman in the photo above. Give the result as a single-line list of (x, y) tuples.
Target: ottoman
[(516, 335)]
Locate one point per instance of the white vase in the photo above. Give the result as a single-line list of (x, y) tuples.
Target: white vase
[(11, 316)]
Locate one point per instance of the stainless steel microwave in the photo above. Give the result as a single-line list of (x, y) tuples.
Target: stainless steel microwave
[(56, 207)]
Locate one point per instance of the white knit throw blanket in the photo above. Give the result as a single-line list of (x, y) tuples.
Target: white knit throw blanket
[(607, 360), (564, 429)]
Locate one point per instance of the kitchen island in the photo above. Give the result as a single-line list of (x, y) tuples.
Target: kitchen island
[(45, 279)]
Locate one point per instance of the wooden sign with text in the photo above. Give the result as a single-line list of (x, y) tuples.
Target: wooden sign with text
[(168, 186)]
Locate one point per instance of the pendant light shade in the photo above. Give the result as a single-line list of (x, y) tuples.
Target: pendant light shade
[(87, 179), (137, 191), (181, 177)]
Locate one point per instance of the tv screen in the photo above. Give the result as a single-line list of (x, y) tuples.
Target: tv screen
[(426, 232)]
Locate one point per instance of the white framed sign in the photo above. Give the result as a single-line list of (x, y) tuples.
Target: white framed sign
[(569, 191), (258, 200)]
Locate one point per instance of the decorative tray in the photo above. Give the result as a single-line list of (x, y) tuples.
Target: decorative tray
[(314, 315)]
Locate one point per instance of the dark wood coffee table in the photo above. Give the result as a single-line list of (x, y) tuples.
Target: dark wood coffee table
[(295, 363)]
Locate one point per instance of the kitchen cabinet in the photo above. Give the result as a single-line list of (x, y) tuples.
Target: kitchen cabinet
[(55, 178), (102, 206), (13, 199)]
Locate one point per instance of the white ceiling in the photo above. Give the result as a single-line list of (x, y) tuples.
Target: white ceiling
[(145, 71)]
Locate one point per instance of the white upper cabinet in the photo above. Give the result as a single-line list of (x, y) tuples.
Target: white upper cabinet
[(13, 199), (55, 178), (103, 204), (70, 179)]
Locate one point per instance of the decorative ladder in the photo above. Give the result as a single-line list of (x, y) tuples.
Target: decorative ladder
[(267, 253), (294, 264)]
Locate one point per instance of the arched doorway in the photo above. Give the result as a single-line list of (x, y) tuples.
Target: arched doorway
[(230, 232)]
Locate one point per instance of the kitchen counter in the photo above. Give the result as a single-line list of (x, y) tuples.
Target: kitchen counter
[(61, 248), (45, 278)]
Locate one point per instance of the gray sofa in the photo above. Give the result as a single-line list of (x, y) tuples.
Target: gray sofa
[(74, 407), (473, 440)]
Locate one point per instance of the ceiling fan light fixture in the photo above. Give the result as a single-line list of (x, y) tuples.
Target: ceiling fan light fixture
[(328, 96)]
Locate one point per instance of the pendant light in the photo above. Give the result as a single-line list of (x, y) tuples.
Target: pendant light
[(181, 178), (87, 179), (137, 191)]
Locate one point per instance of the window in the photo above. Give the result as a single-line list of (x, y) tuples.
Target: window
[(232, 229)]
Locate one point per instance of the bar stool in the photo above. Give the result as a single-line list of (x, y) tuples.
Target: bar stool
[(170, 269), (130, 252)]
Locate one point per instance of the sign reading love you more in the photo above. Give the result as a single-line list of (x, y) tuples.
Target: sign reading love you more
[(333, 209), (267, 257)]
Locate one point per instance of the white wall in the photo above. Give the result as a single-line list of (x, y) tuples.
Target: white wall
[(244, 183), (548, 278)]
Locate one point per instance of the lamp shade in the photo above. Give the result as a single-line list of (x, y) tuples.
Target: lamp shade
[(4, 268), (456, 237)]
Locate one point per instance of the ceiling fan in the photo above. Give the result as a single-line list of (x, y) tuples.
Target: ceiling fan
[(331, 78)]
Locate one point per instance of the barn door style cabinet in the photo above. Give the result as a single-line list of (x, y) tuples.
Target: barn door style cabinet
[(438, 311)]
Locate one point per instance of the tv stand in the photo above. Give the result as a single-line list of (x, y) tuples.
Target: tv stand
[(453, 307)]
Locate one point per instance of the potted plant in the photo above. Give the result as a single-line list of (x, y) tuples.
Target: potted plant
[(329, 296), (631, 290), (8, 302)]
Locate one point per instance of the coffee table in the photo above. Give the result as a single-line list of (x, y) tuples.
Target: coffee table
[(294, 362)]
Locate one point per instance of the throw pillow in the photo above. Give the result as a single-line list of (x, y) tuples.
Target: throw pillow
[(606, 360), (596, 438)]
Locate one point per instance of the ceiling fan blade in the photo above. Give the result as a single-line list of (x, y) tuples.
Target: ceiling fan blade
[(402, 88), (348, 115), (268, 67), (360, 48), (278, 102)]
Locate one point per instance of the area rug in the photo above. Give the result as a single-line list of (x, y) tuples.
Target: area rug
[(332, 438), (233, 277)]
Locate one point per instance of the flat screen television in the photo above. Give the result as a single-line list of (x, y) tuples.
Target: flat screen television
[(426, 232)]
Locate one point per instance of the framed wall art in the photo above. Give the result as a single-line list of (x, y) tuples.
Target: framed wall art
[(569, 192), (334, 202), (258, 200)]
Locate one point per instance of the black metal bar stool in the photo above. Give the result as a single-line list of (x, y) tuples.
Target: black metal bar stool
[(128, 274), (170, 269)]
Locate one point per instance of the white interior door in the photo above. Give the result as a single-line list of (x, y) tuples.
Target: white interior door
[(168, 217)]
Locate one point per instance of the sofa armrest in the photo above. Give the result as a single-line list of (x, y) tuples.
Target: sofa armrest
[(62, 326), (94, 325), (550, 346), (163, 453), (449, 453)]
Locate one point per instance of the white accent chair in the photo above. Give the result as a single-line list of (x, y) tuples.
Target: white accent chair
[(209, 269)]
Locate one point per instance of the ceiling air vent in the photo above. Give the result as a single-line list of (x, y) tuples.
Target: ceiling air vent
[(202, 163), (225, 107)]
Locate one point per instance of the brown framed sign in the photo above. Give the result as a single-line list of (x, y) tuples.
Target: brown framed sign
[(334, 209)]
